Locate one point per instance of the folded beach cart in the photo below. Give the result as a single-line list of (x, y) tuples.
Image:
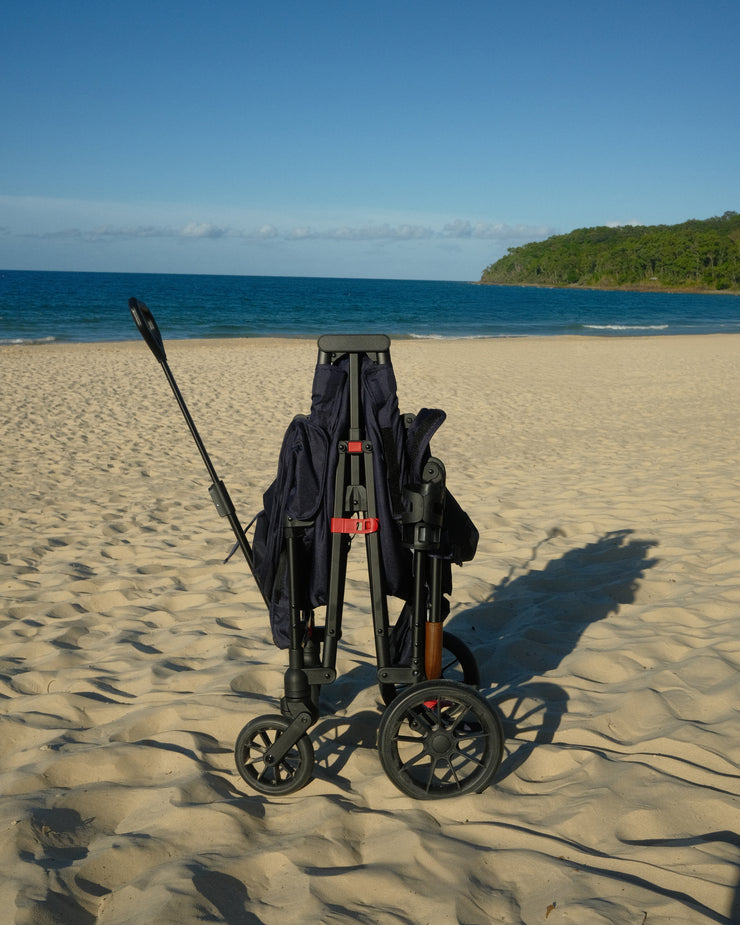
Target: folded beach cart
[(356, 467)]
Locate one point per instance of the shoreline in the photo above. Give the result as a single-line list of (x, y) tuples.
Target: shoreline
[(616, 334), (685, 290)]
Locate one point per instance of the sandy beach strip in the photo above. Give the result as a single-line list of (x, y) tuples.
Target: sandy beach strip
[(602, 608)]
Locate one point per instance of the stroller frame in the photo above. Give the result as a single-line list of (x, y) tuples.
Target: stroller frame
[(437, 737), (354, 513)]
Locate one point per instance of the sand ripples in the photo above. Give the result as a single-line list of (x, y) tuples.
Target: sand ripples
[(602, 608)]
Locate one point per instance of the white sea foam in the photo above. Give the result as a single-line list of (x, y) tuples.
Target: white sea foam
[(626, 327), (413, 336), (26, 341)]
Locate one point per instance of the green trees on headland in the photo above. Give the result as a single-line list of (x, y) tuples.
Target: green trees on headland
[(693, 255)]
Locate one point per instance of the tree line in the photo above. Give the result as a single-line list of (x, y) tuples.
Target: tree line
[(697, 254)]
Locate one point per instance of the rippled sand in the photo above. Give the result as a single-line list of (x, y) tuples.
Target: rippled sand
[(602, 607)]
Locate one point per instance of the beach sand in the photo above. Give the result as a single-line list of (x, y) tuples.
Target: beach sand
[(602, 607)]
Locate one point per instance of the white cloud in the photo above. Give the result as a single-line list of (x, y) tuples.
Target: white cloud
[(39, 233), (39, 218), (266, 231), (494, 232), (204, 230), (456, 230)]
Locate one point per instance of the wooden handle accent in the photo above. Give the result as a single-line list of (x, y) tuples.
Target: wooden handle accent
[(433, 651)]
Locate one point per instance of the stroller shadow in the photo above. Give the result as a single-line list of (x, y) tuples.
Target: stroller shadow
[(337, 738), (735, 911), (528, 623), (534, 618)]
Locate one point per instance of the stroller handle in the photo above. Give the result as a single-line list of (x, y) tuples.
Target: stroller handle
[(354, 343), (219, 495), (148, 328)]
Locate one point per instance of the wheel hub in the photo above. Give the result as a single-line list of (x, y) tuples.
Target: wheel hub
[(439, 744)]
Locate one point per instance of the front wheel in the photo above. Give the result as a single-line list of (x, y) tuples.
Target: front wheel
[(257, 764), (440, 739)]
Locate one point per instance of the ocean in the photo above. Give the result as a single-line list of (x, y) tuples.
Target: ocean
[(55, 307)]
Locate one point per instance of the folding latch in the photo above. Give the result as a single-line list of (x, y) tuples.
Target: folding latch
[(354, 524)]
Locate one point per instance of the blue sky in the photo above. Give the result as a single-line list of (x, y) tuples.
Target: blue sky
[(395, 138)]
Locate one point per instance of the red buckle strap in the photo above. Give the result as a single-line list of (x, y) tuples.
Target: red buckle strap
[(354, 524)]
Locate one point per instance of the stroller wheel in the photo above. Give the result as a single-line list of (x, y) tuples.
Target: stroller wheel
[(256, 765), (440, 739), (458, 664)]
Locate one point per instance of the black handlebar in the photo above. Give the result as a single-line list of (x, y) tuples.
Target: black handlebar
[(148, 328), (150, 332)]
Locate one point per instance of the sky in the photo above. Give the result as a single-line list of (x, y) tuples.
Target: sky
[(398, 139)]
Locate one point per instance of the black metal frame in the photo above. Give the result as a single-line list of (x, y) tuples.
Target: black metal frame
[(313, 649)]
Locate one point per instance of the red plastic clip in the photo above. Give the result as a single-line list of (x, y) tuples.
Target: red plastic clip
[(354, 524), (354, 446)]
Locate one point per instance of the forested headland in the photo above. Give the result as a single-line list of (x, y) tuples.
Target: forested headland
[(695, 255)]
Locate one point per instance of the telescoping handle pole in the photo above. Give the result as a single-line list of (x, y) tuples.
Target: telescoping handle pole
[(220, 496)]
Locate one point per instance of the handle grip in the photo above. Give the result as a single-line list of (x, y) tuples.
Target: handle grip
[(147, 328)]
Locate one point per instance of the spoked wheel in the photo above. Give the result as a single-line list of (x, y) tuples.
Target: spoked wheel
[(440, 739), (458, 664), (255, 762)]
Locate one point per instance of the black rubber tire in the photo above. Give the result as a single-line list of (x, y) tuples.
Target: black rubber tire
[(458, 664), (252, 747), (440, 739)]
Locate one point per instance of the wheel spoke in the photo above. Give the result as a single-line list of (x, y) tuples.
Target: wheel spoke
[(453, 716), (454, 774), (471, 740), (432, 769), (471, 759), (413, 740), (413, 760), (263, 774), (266, 741)]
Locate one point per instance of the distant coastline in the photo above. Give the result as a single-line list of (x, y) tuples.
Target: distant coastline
[(699, 257), (634, 287)]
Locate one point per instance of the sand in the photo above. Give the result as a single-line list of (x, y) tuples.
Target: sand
[(602, 607)]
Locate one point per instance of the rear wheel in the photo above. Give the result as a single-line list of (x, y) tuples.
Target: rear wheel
[(458, 664), (440, 739)]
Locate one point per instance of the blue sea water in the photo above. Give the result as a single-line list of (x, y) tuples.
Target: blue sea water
[(46, 307)]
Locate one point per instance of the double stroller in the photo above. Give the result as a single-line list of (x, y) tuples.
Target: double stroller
[(356, 466)]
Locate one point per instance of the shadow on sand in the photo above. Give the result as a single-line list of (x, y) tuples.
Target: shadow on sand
[(535, 617)]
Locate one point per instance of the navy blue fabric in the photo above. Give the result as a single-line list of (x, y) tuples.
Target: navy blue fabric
[(305, 480), (382, 418)]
